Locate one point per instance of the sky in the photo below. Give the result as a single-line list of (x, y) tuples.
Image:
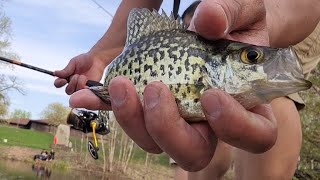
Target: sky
[(47, 34)]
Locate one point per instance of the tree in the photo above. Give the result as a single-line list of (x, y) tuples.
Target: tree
[(4, 105), (6, 82), (56, 113), (19, 113)]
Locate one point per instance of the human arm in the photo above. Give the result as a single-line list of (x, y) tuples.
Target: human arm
[(91, 65)]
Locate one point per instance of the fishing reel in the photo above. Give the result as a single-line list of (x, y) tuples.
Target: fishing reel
[(88, 121)]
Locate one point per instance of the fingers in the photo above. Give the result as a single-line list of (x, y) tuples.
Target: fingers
[(72, 85), (67, 71), (76, 82), (64, 75), (191, 146), (86, 99), (60, 82), (216, 19), (127, 107), (254, 131)]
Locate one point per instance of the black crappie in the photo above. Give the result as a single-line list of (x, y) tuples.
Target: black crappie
[(158, 48)]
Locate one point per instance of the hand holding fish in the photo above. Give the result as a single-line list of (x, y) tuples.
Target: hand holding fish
[(156, 125)]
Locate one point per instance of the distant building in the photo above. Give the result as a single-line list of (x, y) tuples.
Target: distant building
[(38, 125), (42, 125), (21, 123)]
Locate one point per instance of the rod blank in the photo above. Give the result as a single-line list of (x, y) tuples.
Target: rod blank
[(26, 66)]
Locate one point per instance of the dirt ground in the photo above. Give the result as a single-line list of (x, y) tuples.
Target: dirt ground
[(18, 153)]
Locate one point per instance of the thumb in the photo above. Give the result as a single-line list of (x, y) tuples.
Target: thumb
[(215, 19)]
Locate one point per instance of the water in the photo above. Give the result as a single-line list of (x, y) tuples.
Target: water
[(10, 170)]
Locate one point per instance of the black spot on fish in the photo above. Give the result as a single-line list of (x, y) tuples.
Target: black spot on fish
[(131, 53), (139, 78), (161, 54), (162, 69), (184, 94), (170, 87), (178, 101), (186, 77), (176, 89), (196, 100), (125, 61), (194, 67), (155, 60), (117, 67), (130, 65), (199, 83), (146, 67), (170, 67), (137, 70), (124, 72), (181, 51), (170, 74), (179, 70), (187, 64), (153, 73), (172, 54), (188, 104), (188, 89), (145, 82), (152, 52), (253, 68)]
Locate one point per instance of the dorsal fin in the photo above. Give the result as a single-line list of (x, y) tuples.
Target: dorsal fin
[(141, 22)]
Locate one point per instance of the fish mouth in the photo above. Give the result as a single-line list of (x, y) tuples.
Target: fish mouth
[(279, 88)]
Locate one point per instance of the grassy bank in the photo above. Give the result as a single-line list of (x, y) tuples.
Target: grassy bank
[(25, 138), (23, 144)]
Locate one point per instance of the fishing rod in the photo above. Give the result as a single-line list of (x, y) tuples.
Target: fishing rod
[(89, 83)]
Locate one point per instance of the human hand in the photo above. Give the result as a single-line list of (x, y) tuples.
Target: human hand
[(79, 70), (156, 126)]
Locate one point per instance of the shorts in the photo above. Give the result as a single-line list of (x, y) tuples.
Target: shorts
[(308, 52)]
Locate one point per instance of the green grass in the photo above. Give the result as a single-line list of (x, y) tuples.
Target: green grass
[(25, 138), (42, 140)]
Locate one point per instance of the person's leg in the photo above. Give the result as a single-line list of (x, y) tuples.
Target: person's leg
[(180, 174), (281, 160), (218, 166)]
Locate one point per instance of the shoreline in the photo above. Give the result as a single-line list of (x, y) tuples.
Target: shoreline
[(68, 161)]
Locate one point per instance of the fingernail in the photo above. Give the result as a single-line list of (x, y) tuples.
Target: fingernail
[(211, 105), (118, 95), (151, 97)]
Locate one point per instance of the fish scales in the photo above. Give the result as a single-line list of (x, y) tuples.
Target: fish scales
[(174, 57), (158, 48)]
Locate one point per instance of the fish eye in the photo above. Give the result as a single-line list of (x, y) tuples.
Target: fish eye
[(252, 56)]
